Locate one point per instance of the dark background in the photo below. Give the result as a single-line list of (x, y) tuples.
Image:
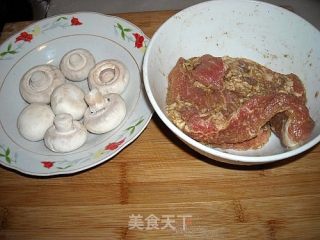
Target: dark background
[(15, 10)]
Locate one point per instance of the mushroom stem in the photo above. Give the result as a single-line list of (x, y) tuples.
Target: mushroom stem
[(107, 75), (95, 100), (65, 135), (63, 122)]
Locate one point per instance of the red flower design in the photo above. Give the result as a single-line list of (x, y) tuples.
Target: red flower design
[(75, 21), (24, 36), (114, 145), (47, 164), (139, 40)]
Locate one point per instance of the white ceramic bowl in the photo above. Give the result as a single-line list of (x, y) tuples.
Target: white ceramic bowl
[(265, 33)]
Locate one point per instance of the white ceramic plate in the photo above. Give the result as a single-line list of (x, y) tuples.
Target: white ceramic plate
[(46, 42), (267, 34)]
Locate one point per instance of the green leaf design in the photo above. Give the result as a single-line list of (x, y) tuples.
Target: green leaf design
[(8, 51), (132, 128), (123, 30), (139, 122), (8, 159), (61, 18), (8, 152), (128, 128), (123, 35), (119, 26), (64, 167), (3, 54)]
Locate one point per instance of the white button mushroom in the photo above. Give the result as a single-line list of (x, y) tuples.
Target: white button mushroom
[(65, 135), (69, 98), (109, 76), (38, 83), (34, 120), (76, 64), (104, 113)]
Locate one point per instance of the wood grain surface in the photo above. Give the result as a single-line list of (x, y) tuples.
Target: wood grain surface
[(159, 178)]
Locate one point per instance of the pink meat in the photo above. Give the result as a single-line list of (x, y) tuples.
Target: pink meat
[(230, 102)]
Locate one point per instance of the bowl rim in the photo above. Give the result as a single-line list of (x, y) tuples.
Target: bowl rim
[(197, 146)]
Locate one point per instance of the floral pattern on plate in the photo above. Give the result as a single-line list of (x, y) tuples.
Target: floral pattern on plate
[(128, 34), (107, 149), (27, 36)]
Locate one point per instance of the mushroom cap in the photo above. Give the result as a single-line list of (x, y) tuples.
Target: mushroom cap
[(109, 76), (69, 98), (38, 83), (104, 113), (65, 134), (34, 120), (76, 64)]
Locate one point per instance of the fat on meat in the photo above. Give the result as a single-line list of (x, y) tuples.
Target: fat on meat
[(236, 103)]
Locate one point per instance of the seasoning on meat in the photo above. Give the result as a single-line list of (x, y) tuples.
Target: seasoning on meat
[(234, 102)]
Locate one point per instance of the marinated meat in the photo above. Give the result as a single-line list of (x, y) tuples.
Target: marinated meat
[(233, 103)]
